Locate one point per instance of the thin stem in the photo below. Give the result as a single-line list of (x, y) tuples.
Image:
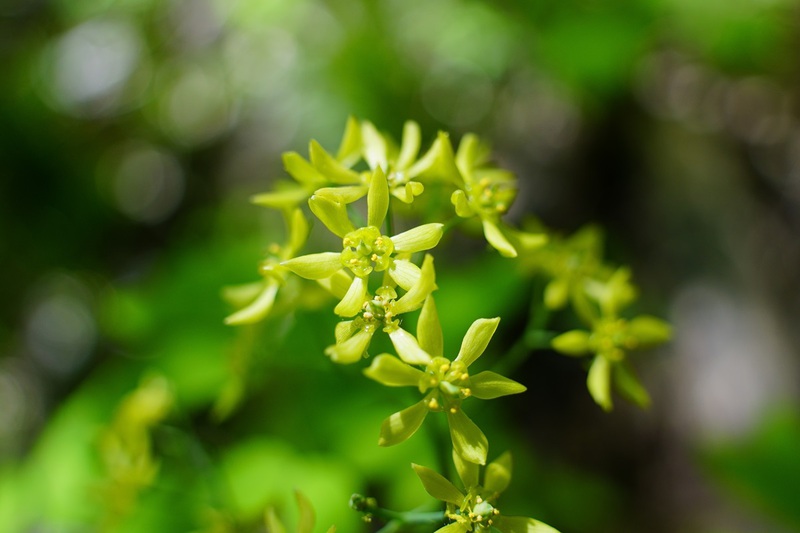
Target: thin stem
[(369, 507)]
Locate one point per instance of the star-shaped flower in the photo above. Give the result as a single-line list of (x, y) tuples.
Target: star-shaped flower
[(366, 249), (610, 338), (445, 384), (257, 298), (475, 508)]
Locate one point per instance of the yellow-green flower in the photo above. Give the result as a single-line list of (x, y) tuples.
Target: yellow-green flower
[(445, 384), (610, 338), (475, 508), (365, 249), (380, 312), (323, 171), (396, 163), (487, 193), (257, 298)]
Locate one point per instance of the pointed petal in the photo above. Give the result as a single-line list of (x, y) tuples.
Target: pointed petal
[(438, 163), (498, 474), (422, 237), (403, 424), (496, 238), (301, 170), (404, 273), (599, 382), (468, 472), (407, 348), (378, 199), (471, 153), (344, 330), (281, 199), (298, 232), (575, 342), (351, 350), (354, 298), (429, 329), (489, 385), (476, 339), (406, 193), (521, 524), (274, 525), (468, 439), (417, 294), (409, 147), (244, 294), (333, 214), (350, 148), (392, 372), (315, 266), (346, 194), (629, 385), (374, 146), (437, 485), (329, 167), (257, 310), (649, 331), (455, 527), (305, 523), (338, 284), (556, 293)]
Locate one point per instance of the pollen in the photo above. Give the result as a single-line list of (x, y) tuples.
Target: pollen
[(433, 404), (453, 410), (464, 376)]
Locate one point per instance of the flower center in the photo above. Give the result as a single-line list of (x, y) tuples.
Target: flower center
[(610, 338), (379, 310), (365, 250), (449, 382), (492, 196), (475, 512)]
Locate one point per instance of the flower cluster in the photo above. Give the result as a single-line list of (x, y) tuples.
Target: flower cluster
[(379, 277)]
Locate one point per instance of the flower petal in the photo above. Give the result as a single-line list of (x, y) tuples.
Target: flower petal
[(438, 163), (281, 199), (258, 309), (401, 425), (338, 284), (649, 331), (298, 232), (350, 148), (329, 167), (429, 329), (301, 170), (392, 372), (437, 485), (315, 266), (468, 472), (476, 339), (455, 527), (599, 382), (629, 385), (468, 439), (575, 342), (409, 146), (422, 237), (351, 350), (406, 193), (346, 194), (333, 214), (274, 525), (305, 522), (354, 298), (521, 524), (489, 385), (417, 294), (378, 199), (407, 348), (461, 203), (556, 293), (404, 273), (374, 146), (498, 474), (496, 238)]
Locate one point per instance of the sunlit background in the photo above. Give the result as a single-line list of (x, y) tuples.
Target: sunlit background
[(132, 133)]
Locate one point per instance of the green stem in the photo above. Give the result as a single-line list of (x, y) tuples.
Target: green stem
[(369, 507)]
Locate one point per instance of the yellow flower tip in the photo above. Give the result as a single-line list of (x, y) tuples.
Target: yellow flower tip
[(445, 367), (433, 404), (453, 410)]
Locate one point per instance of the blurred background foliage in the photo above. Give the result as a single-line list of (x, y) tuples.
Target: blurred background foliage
[(134, 131)]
